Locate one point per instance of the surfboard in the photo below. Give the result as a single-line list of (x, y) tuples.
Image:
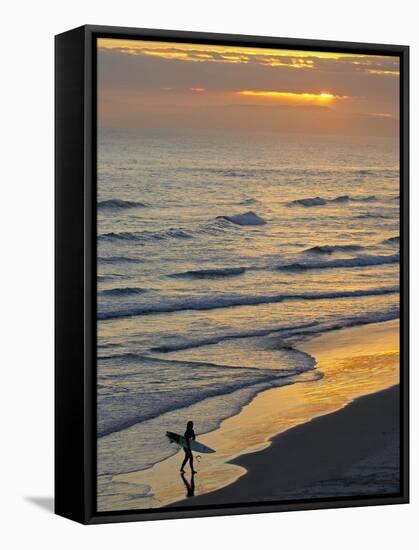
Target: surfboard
[(194, 445)]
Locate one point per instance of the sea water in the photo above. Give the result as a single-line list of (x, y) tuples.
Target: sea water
[(216, 254)]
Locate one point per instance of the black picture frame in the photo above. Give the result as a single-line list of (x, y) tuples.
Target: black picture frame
[(75, 271)]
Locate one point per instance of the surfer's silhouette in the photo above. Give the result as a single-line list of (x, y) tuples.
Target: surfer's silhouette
[(189, 434), (190, 487)]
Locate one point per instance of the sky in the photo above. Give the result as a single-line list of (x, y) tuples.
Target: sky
[(163, 85)]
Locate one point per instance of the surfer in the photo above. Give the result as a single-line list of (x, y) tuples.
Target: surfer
[(189, 434)]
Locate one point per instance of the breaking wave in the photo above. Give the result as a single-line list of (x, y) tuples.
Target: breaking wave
[(248, 218)]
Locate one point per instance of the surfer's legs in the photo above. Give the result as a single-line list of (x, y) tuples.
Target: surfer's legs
[(191, 463), (188, 456), (185, 460)]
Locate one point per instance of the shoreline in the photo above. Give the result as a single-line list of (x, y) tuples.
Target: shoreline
[(354, 361), (356, 445)]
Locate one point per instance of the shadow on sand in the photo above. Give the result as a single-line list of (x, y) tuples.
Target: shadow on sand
[(190, 486)]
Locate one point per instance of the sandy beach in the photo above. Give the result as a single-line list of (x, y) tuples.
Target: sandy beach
[(347, 453), (304, 440)]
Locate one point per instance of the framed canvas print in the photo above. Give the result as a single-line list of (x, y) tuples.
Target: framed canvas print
[(231, 274)]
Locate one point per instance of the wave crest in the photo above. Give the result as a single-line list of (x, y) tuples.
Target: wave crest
[(117, 204), (211, 273), (392, 240), (127, 291), (248, 218), (146, 236), (320, 201), (330, 249), (221, 302), (360, 261)]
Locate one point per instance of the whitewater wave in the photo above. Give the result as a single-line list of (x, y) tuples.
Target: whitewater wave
[(225, 380), (141, 447), (210, 273), (288, 330), (220, 302), (360, 261), (137, 406), (296, 331), (320, 201), (118, 204), (248, 218)]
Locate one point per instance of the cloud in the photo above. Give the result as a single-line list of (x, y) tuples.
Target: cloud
[(271, 57), (118, 70), (383, 72)]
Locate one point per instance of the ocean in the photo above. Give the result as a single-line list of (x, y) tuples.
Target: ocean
[(217, 253)]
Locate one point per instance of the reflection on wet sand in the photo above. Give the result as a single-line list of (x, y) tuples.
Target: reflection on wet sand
[(190, 485)]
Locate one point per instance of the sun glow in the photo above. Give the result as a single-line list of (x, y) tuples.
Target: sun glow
[(303, 98)]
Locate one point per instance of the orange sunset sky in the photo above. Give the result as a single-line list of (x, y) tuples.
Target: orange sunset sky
[(167, 85)]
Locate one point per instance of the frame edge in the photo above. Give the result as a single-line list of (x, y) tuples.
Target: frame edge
[(83, 510), (69, 286)]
